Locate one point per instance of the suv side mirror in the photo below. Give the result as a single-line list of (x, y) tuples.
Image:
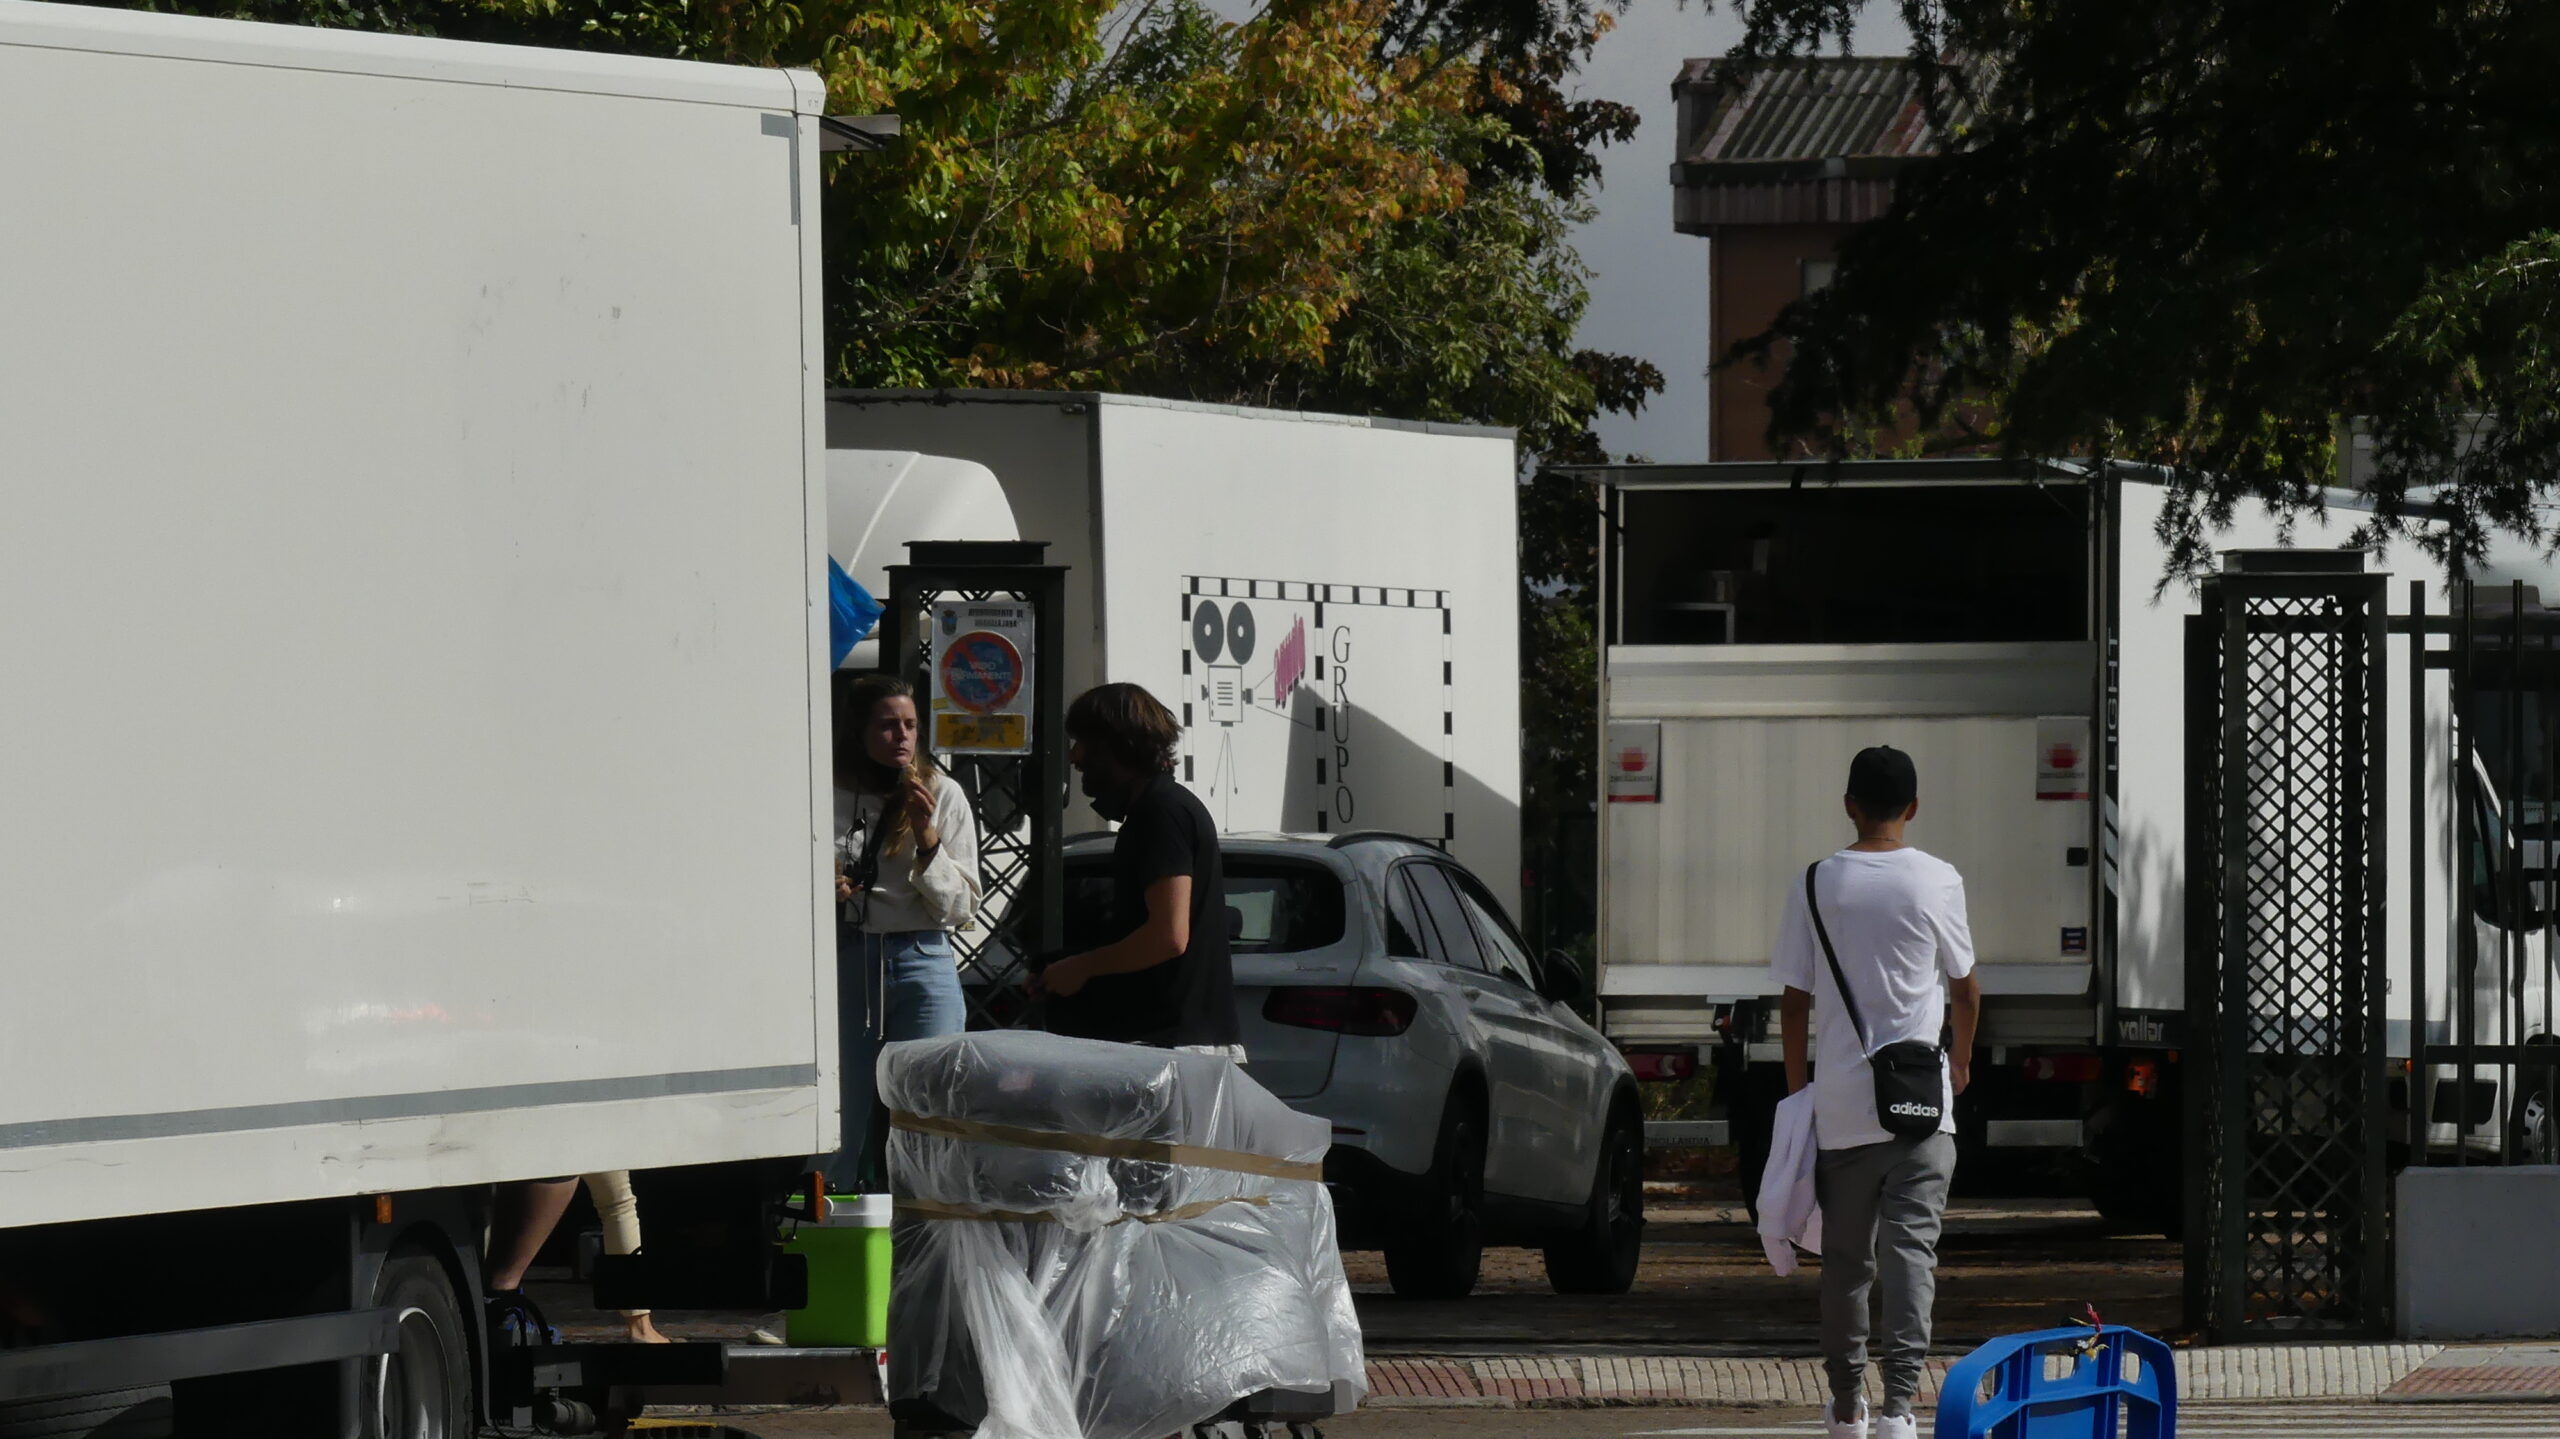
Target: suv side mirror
[(1561, 980)]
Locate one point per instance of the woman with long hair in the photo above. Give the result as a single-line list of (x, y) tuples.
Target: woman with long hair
[(906, 877)]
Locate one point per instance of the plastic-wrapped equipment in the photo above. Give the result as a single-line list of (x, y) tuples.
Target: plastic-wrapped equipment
[(1101, 1241)]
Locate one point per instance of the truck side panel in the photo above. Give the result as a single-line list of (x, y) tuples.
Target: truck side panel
[(1409, 531), (1373, 679), (407, 593)]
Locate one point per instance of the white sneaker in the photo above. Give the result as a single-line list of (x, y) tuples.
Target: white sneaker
[(1834, 1427), (1897, 1426)]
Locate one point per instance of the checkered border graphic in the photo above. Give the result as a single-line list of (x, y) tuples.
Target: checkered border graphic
[(1196, 588)]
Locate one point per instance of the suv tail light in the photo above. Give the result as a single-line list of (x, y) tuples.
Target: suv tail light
[(1344, 1011)]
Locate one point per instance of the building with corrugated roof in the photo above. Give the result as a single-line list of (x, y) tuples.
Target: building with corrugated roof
[(1777, 163)]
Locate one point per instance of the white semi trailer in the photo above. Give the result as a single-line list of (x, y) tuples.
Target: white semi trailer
[(412, 458), (2010, 627), (1330, 603)]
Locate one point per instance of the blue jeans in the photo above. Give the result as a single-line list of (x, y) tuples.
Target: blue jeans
[(919, 972)]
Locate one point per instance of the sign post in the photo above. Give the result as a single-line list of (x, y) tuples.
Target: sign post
[(977, 627)]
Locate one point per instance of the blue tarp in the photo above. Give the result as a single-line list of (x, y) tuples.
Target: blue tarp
[(851, 613)]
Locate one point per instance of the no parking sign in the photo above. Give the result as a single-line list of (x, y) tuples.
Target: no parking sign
[(983, 653)]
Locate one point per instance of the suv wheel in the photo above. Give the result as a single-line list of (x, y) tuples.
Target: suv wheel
[(1437, 1253), (1601, 1256)]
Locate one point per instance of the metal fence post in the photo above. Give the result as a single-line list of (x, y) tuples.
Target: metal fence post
[(1021, 800), (2287, 688)]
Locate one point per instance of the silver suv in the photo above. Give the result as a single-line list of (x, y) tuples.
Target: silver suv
[(1381, 987)]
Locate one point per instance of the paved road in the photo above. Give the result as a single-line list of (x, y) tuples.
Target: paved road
[(2272, 1420), (2004, 1266)]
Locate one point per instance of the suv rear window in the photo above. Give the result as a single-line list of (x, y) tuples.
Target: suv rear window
[(1274, 906)]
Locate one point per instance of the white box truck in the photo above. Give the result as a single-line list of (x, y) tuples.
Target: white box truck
[(411, 458), (2009, 626), (1330, 603)]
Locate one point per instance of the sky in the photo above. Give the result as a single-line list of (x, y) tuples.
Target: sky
[(1649, 282)]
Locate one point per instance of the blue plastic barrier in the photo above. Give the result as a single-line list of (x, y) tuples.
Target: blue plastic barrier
[(2001, 1390)]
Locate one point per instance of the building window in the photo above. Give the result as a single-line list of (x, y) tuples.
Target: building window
[(1818, 274)]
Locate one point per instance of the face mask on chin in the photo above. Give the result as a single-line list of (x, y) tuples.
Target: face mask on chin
[(1112, 803), (1109, 794)]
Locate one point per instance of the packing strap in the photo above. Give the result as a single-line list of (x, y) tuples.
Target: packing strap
[(927, 1209), (1096, 1146)]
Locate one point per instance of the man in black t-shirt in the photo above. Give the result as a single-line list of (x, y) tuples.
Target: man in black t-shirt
[(1168, 980)]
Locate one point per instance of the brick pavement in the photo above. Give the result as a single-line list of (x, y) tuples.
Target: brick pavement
[(2483, 1372), (2300, 1371)]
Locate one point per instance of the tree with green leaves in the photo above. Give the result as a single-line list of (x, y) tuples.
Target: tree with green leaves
[(1087, 194), (1474, 318), (2205, 236)]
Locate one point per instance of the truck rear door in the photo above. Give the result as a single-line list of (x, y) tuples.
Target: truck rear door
[(1761, 635)]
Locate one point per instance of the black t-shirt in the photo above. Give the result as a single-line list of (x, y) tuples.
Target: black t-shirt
[(1189, 999)]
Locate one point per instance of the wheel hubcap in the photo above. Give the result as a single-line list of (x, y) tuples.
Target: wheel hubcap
[(1626, 1187), (415, 1380)]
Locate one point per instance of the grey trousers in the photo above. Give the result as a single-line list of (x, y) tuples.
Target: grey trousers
[(1882, 1207)]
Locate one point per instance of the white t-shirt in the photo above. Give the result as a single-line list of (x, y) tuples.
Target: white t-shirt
[(1897, 919)]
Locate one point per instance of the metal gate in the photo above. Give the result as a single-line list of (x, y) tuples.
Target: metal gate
[(2479, 1087), (2287, 1221), (1020, 799)]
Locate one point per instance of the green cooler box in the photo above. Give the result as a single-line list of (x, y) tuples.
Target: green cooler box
[(848, 1276)]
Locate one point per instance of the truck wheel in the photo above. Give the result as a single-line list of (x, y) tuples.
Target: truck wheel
[(1438, 1253), (1752, 1112), (1601, 1257), (106, 1414), (423, 1388), (2134, 1172)]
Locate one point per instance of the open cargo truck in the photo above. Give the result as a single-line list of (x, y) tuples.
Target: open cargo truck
[(410, 453), (2008, 626)]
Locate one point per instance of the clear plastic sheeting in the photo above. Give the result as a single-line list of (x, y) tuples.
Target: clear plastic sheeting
[(1100, 1241)]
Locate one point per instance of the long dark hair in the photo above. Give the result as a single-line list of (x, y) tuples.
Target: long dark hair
[(857, 698)]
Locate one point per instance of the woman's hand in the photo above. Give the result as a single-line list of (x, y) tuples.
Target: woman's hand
[(844, 886), (918, 803)]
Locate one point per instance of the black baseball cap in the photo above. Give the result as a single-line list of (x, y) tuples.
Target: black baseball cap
[(1883, 782)]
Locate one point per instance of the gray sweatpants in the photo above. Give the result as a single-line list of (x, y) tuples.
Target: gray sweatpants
[(1882, 1207)]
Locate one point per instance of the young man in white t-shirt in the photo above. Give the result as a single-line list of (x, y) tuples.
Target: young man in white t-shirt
[(1896, 919)]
